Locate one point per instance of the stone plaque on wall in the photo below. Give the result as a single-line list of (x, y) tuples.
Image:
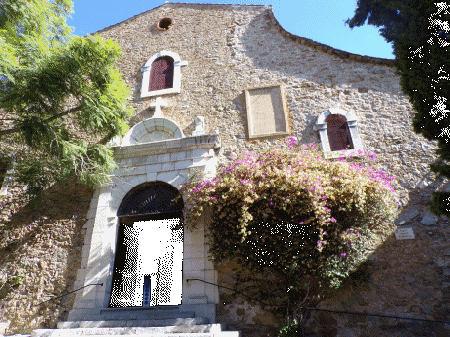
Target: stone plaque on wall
[(266, 111)]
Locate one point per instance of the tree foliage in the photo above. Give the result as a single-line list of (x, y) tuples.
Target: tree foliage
[(292, 213), (59, 94), (419, 31)]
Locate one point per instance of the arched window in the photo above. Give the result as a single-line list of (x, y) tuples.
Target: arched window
[(162, 74), (338, 133)]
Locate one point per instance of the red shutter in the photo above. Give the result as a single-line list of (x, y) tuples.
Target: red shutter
[(161, 75), (338, 133)]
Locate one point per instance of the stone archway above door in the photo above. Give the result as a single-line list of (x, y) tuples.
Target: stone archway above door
[(149, 199), (152, 130)]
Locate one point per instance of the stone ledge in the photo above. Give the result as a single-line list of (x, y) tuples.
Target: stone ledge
[(197, 324), (207, 141)]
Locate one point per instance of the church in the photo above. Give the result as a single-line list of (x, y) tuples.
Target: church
[(210, 82)]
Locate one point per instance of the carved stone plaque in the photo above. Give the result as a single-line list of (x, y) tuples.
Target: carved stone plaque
[(403, 233), (266, 111)]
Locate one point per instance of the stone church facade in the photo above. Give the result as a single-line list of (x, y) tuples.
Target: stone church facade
[(212, 81)]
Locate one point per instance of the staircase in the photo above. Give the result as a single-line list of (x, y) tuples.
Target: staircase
[(152, 322)]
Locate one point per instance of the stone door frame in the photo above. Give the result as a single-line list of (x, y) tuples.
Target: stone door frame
[(169, 161)]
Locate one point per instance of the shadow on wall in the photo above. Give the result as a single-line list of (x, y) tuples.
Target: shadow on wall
[(405, 278), (41, 245)]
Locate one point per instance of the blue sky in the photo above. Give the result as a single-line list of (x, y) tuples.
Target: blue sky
[(319, 20)]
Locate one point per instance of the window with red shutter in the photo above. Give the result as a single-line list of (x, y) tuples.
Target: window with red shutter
[(338, 133), (161, 76)]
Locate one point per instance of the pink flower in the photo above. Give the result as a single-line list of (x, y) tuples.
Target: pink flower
[(357, 234), (343, 254), (325, 232), (271, 203), (319, 244)]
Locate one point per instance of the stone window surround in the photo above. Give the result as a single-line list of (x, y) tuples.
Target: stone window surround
[(321, 126), (146, 70), (169, 161)]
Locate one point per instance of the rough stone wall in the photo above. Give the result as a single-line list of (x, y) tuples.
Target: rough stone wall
[(231, 48), (40, 253)]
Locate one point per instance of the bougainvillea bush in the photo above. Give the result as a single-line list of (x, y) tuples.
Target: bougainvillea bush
[(292, 211)]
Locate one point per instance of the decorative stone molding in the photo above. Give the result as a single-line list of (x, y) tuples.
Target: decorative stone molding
[(209, 141), (321, 126), (199, 126), (146, 70), (158, 104), (152, 130)]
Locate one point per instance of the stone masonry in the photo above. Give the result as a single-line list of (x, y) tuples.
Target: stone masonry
[(230, 48)]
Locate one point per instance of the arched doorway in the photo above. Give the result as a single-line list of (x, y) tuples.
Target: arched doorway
[(149, 254)]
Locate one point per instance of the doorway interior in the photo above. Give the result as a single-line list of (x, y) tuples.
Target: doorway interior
[(148, 264)]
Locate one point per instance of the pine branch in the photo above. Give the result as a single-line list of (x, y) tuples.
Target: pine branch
[(45, 121)]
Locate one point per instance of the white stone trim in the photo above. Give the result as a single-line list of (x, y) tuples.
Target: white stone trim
[(146, 70), (123, 154), (138, 133), (168, 161), (321, 126)]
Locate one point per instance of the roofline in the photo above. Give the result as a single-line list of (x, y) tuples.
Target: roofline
[(327, 49), (173, 3), (298, 39)]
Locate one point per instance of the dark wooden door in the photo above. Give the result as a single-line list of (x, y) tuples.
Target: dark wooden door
[(126, 290)]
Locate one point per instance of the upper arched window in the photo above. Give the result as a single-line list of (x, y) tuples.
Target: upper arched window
[(162, 74), (338, 131)]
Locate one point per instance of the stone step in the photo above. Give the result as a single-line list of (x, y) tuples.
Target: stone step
[(195, 323), (131, 332), (144, 313)]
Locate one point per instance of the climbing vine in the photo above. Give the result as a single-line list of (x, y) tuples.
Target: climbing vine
[(293, 211)]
